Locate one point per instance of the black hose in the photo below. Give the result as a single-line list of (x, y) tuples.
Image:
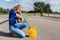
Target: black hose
[(6, 20)]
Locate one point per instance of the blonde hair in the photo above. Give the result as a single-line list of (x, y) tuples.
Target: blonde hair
[(17, 7)]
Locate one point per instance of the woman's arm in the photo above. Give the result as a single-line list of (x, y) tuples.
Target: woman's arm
[(20, 17)]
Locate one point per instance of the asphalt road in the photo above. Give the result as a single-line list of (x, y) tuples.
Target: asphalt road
[(48, 28)]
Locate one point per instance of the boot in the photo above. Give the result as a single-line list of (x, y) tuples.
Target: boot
[(11, 34)]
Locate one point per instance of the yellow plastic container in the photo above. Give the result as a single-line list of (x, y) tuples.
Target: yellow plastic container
[(32, 32)]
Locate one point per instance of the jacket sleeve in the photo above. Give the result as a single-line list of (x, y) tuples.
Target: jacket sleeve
[(13, 14)]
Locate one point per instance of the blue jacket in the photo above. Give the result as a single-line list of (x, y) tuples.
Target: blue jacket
[(13, 17)]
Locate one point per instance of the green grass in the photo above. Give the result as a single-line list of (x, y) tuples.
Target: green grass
[(29, 14), (32, 14), (4, 14)]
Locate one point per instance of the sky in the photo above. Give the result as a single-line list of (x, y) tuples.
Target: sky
[(28, 4)]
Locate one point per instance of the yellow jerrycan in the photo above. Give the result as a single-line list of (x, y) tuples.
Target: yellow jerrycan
[(32, 32)]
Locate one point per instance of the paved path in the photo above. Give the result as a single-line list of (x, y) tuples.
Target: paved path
[(48, 28)]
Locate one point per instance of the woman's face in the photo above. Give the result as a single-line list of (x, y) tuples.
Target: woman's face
[(19, 9)]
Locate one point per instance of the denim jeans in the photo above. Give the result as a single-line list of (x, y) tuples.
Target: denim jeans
[(17, 29)]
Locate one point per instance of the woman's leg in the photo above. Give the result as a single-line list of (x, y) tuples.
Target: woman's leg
[(17, 31), (22, 25)]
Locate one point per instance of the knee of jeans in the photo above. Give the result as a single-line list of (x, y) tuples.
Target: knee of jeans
[(25, 24)]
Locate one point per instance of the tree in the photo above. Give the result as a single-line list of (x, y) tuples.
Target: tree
[(39, 7), (31, 11), (24, 11), (47, 9), (4, 11), (1, 10)]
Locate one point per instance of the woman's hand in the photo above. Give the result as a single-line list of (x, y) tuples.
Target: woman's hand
[(20, 17)]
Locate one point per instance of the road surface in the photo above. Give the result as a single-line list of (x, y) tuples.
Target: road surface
[(48, 28)]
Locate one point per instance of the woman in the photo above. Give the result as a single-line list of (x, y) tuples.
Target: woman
[(13, 26)]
